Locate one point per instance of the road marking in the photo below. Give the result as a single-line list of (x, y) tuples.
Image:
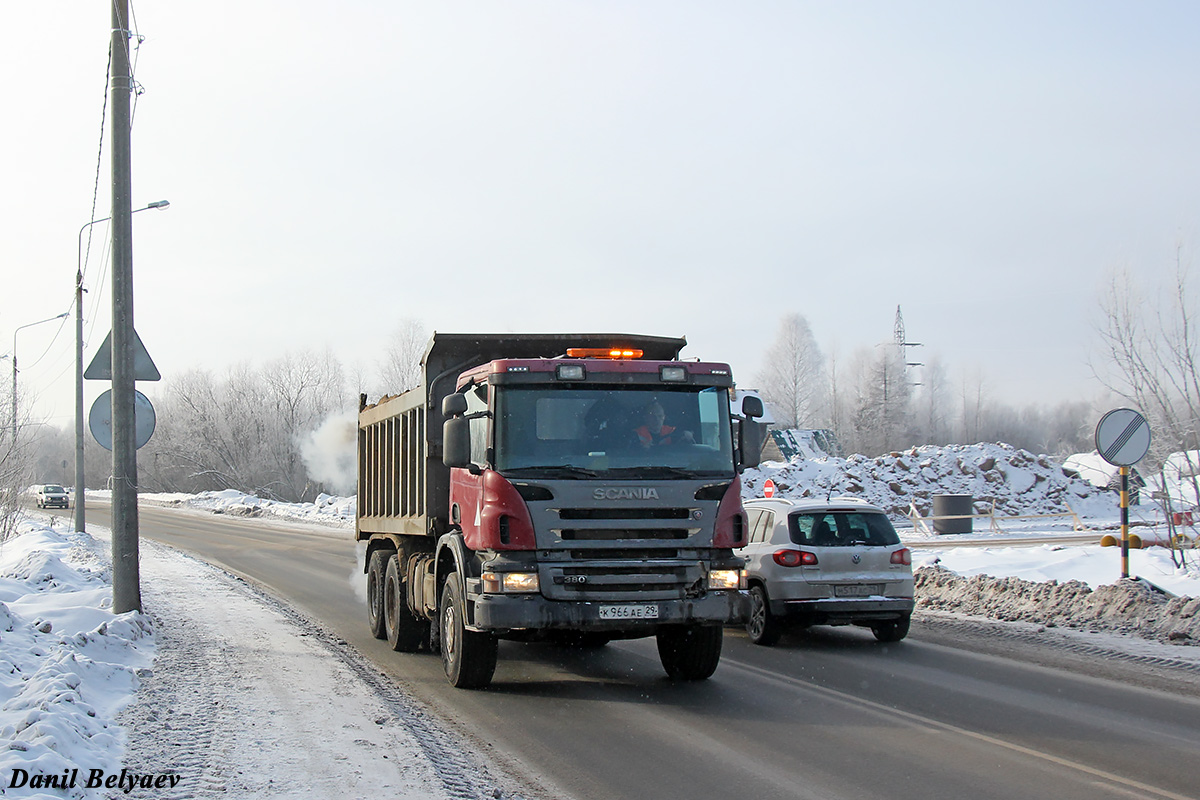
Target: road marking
[(849, 699)]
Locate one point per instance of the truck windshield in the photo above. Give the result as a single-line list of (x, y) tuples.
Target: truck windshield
[(580, 432)]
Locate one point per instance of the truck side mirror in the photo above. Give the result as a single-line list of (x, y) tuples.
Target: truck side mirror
[(454, 405), (456, 440), (752, 407)]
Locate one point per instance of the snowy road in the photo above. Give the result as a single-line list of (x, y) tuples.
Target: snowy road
[(825, 714), (247, 700)]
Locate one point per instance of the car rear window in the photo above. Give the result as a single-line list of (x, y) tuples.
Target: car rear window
[(842, 529)]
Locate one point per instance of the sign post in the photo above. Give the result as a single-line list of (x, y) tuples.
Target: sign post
[(1123, 439)]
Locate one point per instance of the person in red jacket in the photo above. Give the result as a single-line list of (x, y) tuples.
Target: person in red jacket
[(655, 432)]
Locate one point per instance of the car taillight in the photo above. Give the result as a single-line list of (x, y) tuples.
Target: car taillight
[(794, 558), (902, 556)]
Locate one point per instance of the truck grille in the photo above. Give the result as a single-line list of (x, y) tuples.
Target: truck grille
[(617, 553), (622, 534), (636, 578), (623, 513)]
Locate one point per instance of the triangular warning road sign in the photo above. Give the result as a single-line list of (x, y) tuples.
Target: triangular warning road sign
[(101, 367)]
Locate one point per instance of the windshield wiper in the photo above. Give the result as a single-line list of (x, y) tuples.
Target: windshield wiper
[(655, 472), (560, 471)]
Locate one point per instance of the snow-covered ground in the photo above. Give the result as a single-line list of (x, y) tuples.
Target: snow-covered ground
[(215, 691), (187, 698)]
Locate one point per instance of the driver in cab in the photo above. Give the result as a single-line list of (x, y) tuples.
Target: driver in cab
[(654, 432)]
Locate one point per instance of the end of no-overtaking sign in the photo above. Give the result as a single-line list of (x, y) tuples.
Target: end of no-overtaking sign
[(1123, 439)]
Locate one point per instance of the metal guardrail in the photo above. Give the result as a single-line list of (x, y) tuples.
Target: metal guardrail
[(919, 522)]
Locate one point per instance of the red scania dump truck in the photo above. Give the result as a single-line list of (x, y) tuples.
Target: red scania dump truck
[(572, 488)]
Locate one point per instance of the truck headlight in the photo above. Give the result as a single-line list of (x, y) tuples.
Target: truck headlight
[(724, 579), (501, 582)]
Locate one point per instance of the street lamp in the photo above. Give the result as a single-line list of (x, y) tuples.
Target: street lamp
[(63, 315), (79, 476)]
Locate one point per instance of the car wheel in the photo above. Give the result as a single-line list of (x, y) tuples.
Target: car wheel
[(690, 652), (762, 627), (468, 657), (893, 630), (376, 572), (405, 633)]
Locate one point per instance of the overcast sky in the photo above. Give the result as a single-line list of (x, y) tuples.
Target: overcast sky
[(676, 168)]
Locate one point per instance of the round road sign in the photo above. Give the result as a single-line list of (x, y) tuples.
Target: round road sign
[(100, 419), (1123, 437), (768, 488)]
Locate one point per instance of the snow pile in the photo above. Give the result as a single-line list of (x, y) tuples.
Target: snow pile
[(999, 477), (1128, 606), (68, 665), (326, 510)]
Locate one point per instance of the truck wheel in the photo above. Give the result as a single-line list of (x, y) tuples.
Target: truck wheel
[(893, 630), (762, 628), (690, 652), (405, 633), (468, 657), (376, 569)]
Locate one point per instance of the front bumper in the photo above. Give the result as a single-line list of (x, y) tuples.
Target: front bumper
[(499, 613)]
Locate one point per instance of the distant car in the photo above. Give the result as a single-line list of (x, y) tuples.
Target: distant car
[(52, 495), (828, 562)]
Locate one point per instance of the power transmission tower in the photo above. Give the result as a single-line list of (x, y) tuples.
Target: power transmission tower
[(902, 343)]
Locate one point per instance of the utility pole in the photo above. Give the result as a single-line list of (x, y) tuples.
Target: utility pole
[(80, 491), (127, 593)]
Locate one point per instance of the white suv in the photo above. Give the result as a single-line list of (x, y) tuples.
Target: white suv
[(827, 562)]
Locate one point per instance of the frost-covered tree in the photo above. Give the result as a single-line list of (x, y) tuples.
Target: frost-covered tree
[(793, 379), (246, 429), (1150, 355), (400, 368)]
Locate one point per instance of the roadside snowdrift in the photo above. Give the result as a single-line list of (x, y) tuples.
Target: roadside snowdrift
[(1131, 606)]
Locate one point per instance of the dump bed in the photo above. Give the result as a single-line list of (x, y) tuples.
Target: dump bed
[(403, 487)]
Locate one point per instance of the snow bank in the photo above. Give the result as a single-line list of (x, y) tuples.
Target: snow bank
[(68, 665), (1128, 606), (998, 476), (325, 510)]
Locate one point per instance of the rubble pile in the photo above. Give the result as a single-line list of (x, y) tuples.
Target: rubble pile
[(999, 477)]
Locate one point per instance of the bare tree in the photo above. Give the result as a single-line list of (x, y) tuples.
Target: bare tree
[(246, 430), (16, 462), (400, 368), (1151, 358), (794, 380), (932, 403)]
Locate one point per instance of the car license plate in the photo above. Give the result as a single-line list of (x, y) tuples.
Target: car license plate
[(629, 612), (858, 590)]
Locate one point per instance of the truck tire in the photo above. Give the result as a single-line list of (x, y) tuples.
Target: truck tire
[(762, 627), (376, 571), (690, 652), (405, 633), (468, 657)]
